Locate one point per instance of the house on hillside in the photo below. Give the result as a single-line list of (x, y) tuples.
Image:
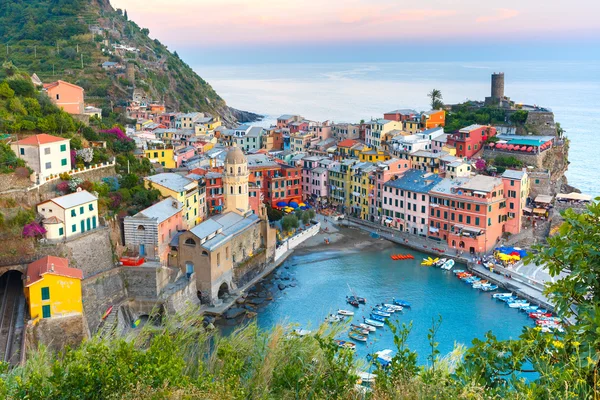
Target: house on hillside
[(66, 95), (69, 215), (52, 288), (45, 154)]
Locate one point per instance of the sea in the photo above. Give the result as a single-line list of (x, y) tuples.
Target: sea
[(324, 279), (349, 92)]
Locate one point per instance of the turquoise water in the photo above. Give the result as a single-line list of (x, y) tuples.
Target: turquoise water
[(354, 91), (322, 286)]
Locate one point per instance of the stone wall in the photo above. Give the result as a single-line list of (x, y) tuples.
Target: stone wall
[(181, 296), (140, 282), (91, 252), (248, 270), (99, 293), (533, 160), (58, 332), (541, 123)]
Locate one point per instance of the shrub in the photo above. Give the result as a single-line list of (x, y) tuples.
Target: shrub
[(33, 230), (63, 187), (65, 176)]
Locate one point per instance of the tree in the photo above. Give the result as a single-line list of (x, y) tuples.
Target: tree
[(436, 99), (125, 15), (519, 117), (5, 91), (289, 223)]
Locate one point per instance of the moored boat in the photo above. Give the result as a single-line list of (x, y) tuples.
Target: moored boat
[(381, 313), (499, 295), (345, 345), (402, 303), (365, 327), (372, 322), (302, 332), (377, 317), (447, 265), (356, 336), (345, 313), (392, 307), (333, 318)]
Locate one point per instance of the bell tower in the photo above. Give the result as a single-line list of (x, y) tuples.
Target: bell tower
[(235, 181)]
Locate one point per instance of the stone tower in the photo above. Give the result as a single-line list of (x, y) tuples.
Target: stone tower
[(130, 73), (498, 85), (235, 182)]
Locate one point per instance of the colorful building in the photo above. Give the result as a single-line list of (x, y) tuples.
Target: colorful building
[(516, 191), (69, 215), (340, 177), (470, 140), (67, 96), (373, 156), (186, 191), (275, 182), (150, 231), (52, 288), (45, 154), (385, 171), (433, 119), (361, 186), (315, 176), (400, 115), (468, 213), (162, 155), (406, 201), (377, 129)]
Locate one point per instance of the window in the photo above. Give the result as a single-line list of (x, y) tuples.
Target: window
[(73, 213), (22, 151), (477, 207), (477, 221), (460, 218), (91, 207), (63, 147), (63, 162), (45, 293), (46, 309), (537, 181), (73, 228), (48, 165), (468, 219), (61, 231), (218, 259), (227, 253), (80, 210), (489, 222)]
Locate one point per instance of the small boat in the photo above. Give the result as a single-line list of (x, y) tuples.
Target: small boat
[(529, 309), (108, 311), (383, 357), (441, 262), (363, 332), (345, 313), (448, 265), (378, 318), (499, 295), (333, 318), (345, 345), (429, 261), (365, 327), (356, 336), (490, 288), (458, 271), (366, 377), (384, 309), (302, 332), (381, 314), (518, 305), (536, 315), (372, 322), (392, 307), (353, 303), (360, 300), (402, 303)]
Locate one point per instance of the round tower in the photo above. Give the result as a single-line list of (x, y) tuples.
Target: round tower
[(130, 72), (498, 85), (235, 181)]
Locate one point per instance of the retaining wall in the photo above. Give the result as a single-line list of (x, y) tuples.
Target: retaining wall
[(296, 240)]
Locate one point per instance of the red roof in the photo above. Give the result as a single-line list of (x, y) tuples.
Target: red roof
[(51, 265), (42, 138), (347, 143), (59, 82)]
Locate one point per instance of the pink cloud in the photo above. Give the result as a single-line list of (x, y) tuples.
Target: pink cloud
[(501, 14)]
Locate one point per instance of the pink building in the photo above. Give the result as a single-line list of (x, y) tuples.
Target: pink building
[(516, 191), (315, 177), (406, 201), (182, 155), (150, 231), (386, 170)]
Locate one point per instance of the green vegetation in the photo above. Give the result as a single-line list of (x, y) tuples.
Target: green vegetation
[(52, 38), (465, 115), (289, 223), (501, 163), (8, 159), (436, 99), (172, 362)]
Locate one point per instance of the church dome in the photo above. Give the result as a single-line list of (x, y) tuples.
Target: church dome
[(235, 156)]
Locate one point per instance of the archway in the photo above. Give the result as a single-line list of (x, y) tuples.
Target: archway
[(223, 290), (189, 268), (461, 244)]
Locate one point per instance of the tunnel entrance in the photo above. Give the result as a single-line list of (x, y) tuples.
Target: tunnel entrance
[(12, 316)]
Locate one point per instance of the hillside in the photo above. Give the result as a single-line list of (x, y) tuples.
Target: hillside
[(70, 39)]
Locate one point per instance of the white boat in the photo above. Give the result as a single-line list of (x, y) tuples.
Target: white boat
[(441, 262), (366, 377), (393, 307), (448, 265), (302, 332), (381, 313), (500, 295), (384, 356), (374, 323), (346, 313), (518, 305), (367, 327), (334, 318)]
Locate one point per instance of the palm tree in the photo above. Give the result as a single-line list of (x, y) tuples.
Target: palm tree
[(436, 99)]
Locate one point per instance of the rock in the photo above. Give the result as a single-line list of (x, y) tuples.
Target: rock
[(256, 301), (293, 284), (234, 313), (208, 319), (281, 286), (262, 294), (249, 307), (286, 277), (287, 267), (210, 327), (250, 314), (240, 300)]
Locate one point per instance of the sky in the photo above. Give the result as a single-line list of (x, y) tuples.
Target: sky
[(229, 31)]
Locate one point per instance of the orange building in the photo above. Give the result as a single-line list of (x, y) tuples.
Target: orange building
[(65, 95), (433, 119), (469, 214)]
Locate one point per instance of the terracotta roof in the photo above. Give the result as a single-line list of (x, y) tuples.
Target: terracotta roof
[(347, 143), (59, 82), (42, 138), (51, 265)]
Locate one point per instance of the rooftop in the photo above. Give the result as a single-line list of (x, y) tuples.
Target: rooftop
[(171, 181), (260, 160), (228, 225), (160, 211), (482, 183), (73, 199), (513, 174), (402, 111), (37, 140), (415, 180), (470, 128), (53, 265), (347, 143)]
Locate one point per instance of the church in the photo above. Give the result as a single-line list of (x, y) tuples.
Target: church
[(227, 251)]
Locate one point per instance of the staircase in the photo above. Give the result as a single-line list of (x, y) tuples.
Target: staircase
[(108, 326)]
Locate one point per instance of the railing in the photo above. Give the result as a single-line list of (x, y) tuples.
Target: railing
[(74, 172)]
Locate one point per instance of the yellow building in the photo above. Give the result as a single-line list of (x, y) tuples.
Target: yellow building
[(185, 190), (340, 176), (361, 186), (52, 288), (162, 156), (425, 161), (373, 156)]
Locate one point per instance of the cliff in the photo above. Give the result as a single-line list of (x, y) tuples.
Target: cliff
[(71, 39)]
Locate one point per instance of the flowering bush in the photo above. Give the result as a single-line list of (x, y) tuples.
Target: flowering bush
[(480, 164), (63, 187), (33, 230), (116, 131), (73, 158), (74, 184), (87, 154), (115, 200)]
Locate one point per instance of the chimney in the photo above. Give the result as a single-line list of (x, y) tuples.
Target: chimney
[(52, 267)]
